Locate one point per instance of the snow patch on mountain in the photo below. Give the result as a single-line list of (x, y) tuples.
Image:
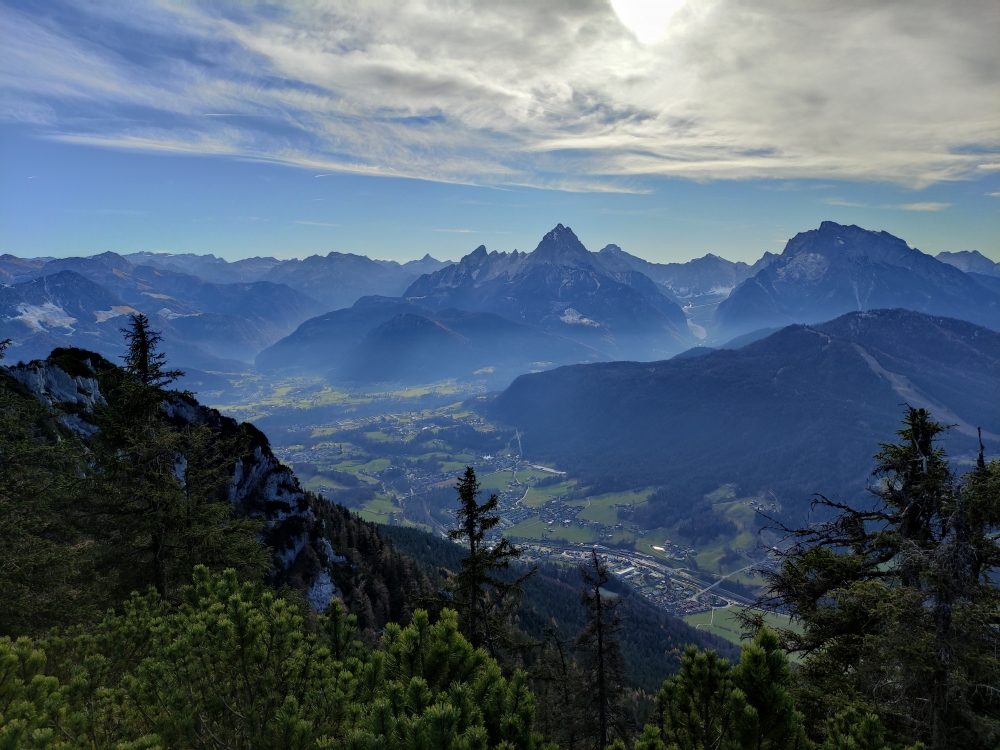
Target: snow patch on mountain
[(37, 317)]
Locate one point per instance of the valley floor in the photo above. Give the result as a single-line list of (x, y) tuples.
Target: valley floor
[(393, 455)]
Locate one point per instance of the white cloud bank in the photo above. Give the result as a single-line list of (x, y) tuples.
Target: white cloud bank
[(559, 94)]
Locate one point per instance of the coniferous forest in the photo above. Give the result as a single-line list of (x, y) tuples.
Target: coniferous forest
[(147, 601)]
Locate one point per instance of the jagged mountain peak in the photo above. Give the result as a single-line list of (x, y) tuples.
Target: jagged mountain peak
[(562, 247)]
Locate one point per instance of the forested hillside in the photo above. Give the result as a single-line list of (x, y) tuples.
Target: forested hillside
[(791, 413), (166, 583)]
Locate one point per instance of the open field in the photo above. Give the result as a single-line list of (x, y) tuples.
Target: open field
[(723, 623), (535, 528), (540, 495), (378, 510), (257, 396), (630, 497)]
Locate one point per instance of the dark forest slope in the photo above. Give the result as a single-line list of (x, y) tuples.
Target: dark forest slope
[(794, 413)]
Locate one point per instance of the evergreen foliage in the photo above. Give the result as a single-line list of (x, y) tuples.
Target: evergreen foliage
[(899, 605), (484, 598), (234, 666), (114, 510), (159, 498), (710, 704), (142, 361), (380, 584), (44, 560)]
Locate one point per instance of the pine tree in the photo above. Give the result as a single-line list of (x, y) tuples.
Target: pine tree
[(898, 606), (483, 598), (710, 704), (236, 666), (143, 361), (3, 346), (604, 662)]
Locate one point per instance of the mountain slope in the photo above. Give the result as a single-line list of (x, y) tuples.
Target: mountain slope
[(412, 348), (338, 280), (698, 286), (241, 318), (320, 343), (388, 339), (67, 309), (970, 261), (229, 320), (794, 413), (207, 267), (835, 269), (565, 289)]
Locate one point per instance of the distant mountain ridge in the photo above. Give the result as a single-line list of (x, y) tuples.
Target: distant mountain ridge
[(971, 261), (67, 309), (597, 305), (562, 288), (336, 280), (698, 286), (385, 339), (836, 269), (229, 321)]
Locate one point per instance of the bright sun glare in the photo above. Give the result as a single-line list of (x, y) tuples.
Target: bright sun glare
[(648, 19)]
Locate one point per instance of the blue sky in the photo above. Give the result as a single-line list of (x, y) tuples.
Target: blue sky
[(398, 129)]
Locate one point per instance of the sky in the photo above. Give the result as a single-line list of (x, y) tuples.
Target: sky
[(395, 129)]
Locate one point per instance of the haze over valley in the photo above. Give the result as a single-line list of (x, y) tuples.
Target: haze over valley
[(561, 375), (651, 408)]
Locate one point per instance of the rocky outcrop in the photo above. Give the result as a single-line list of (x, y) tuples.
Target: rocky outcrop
[(261, 487), (53, 385)]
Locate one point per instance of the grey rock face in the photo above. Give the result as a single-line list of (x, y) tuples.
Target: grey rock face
[(261, 486), (51, 384)]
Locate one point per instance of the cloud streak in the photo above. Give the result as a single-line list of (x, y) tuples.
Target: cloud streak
[(557, 95), (922, 206)]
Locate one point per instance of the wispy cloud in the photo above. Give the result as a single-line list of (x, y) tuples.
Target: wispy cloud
[(316, 223), (922, 206), (558, 95), (842, 202)]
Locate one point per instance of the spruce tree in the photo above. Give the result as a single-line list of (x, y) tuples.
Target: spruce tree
[(603, 659), (557, 683), (143, 361), (161, 504), (484, 599), (898, 602)]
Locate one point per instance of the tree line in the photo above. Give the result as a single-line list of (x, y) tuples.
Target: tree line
[(168, 634)]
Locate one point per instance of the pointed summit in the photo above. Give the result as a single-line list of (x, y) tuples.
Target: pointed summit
[(562, 247)]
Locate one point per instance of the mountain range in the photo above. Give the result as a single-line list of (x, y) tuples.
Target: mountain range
[(335, 280), (383, 339), (489, 317), (794, 413), (836, 269), (563, 288)]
